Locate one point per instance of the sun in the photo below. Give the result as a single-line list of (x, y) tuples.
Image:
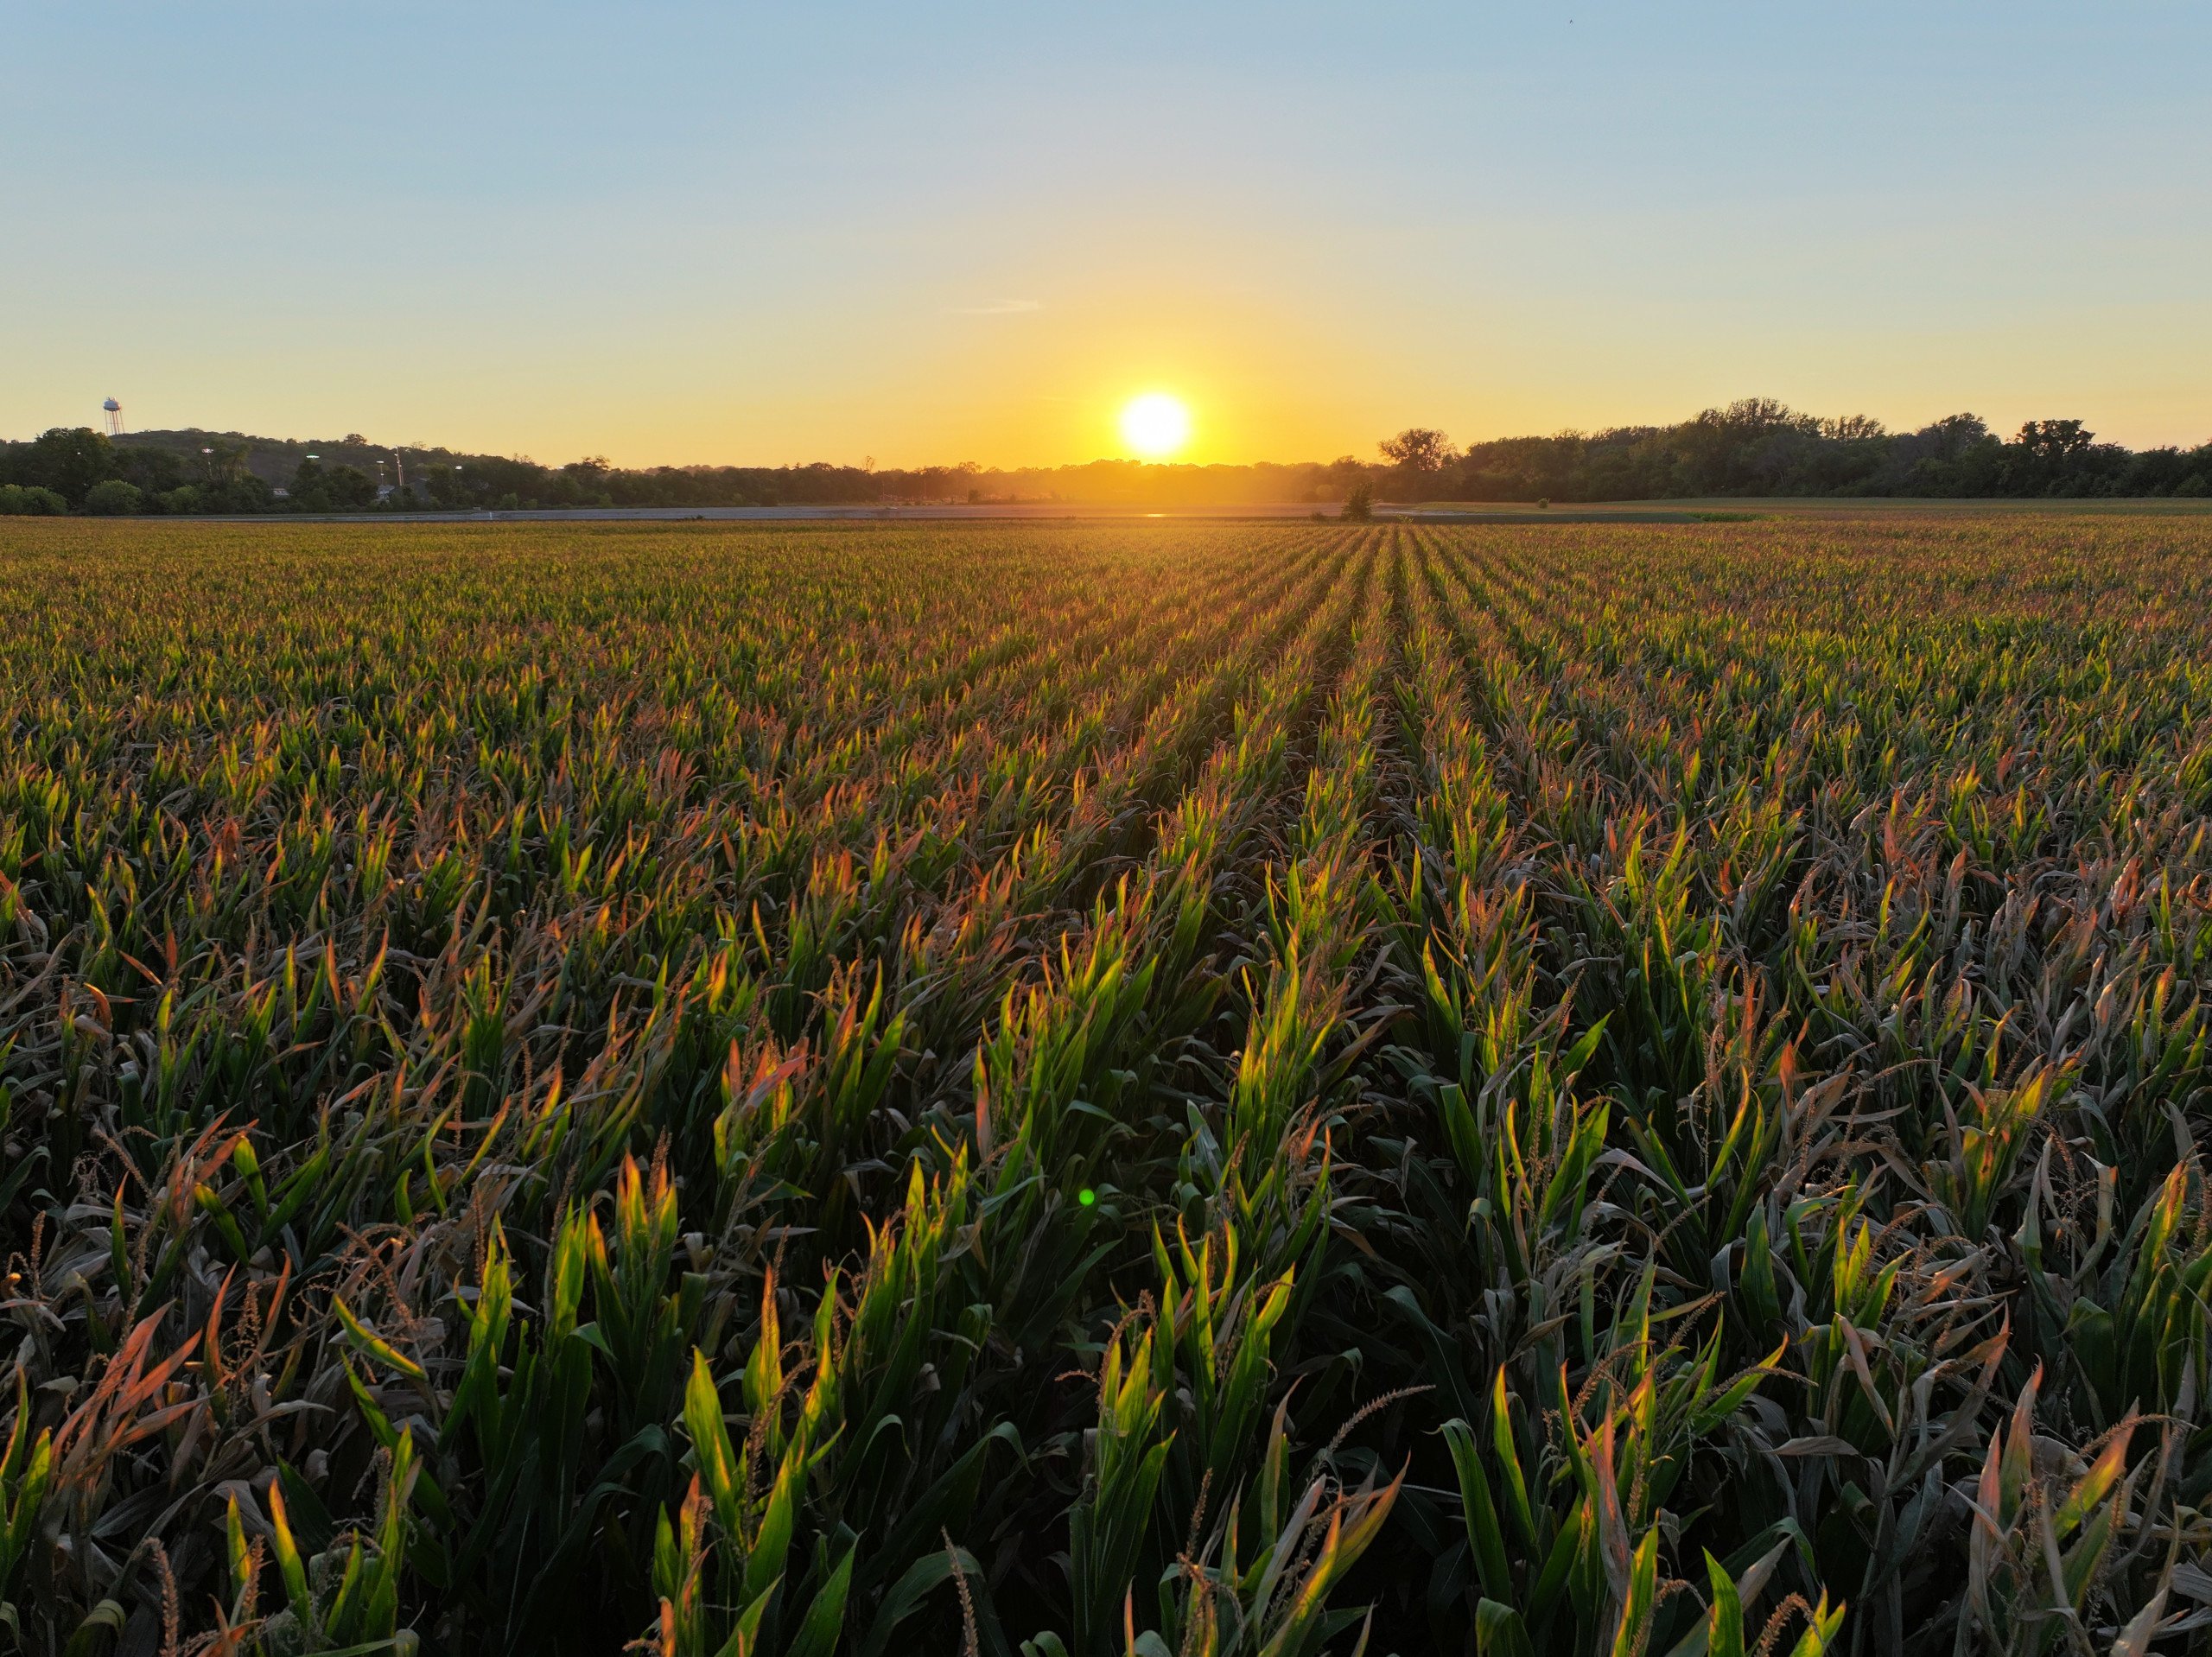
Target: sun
[(1155, 425)]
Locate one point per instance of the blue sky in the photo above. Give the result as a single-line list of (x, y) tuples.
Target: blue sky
[(690, 233)]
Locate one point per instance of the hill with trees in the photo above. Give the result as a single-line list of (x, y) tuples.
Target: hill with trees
[(1754, 447)]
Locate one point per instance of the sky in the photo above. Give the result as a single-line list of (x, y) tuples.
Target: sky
[(677, 233)]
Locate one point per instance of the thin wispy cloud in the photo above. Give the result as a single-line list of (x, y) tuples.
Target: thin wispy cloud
[(1000, 307)]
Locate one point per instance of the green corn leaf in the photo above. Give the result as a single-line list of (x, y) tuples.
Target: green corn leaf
[(1484, 1536), (368, 1341), (744, 1638), (1499, 1631), (289, 1566), (905, 1595), (1642, 1603), (823, 1626), (718, 1470), (764, 1564), (100, 1630), (1508, 1459)]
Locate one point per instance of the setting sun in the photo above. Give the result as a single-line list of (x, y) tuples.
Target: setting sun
[(1155, 425)]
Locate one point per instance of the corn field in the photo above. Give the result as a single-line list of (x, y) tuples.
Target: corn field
[(1136, 1090)]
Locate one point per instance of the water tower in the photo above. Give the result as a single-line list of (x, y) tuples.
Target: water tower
[(114, 418)]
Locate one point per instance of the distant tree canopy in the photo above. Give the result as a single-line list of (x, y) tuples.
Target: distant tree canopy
[(86, 472), (112, 498), (1756, 446), (317, 487), (69, 461), (28, 500), (1418, 449), (1759, 447)]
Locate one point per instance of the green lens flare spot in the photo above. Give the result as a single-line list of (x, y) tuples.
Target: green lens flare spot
[(1086, 1196)]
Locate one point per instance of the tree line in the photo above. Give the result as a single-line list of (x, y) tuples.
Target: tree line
[(1760, 447), (1757, 447)]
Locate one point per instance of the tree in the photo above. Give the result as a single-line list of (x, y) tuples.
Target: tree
[(1359, 505), (68, 460), (1852, 428), (155, 471), (244, 493), (1949, 438), (221, 463), (2063, 457), (112, 498), (1418, 449), (2056, 442), (30, 500), (320, 488)]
